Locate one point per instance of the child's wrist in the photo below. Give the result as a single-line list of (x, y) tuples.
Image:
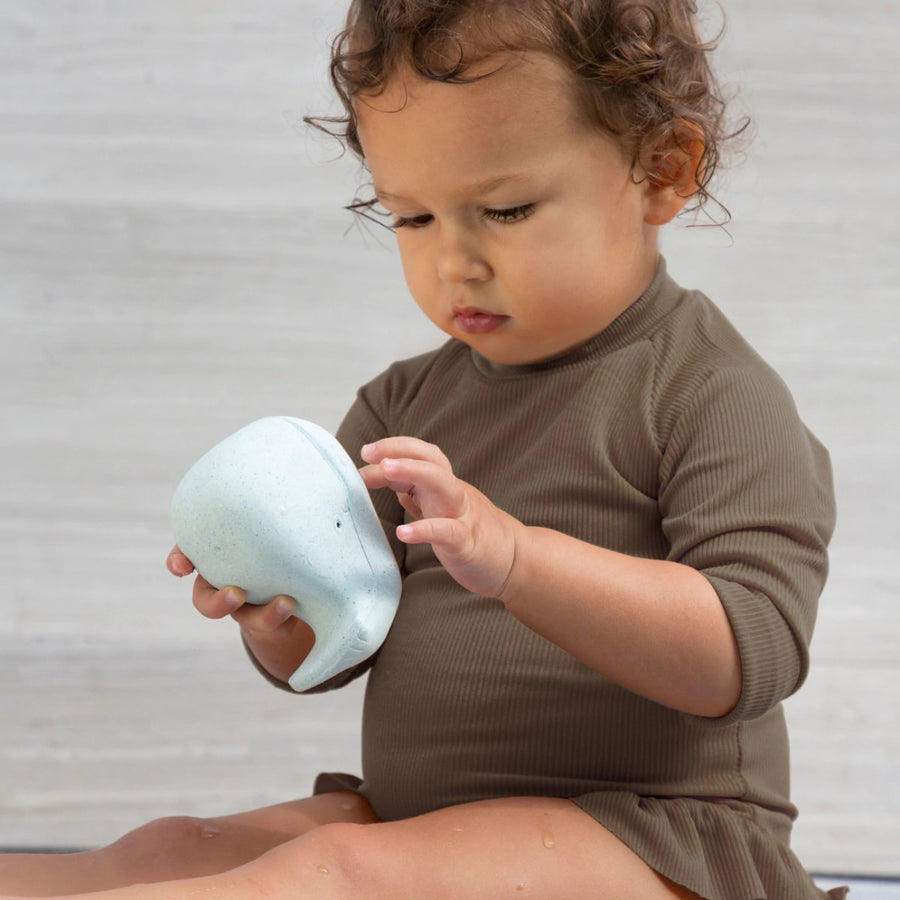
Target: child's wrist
[(522, 538)]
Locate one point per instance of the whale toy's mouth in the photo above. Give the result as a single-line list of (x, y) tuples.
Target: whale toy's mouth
[(279, 508)]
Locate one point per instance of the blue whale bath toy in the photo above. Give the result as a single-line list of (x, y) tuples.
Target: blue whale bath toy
[(279, 508)]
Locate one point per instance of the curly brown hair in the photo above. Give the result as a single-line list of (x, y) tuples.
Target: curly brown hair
[(640, 68)]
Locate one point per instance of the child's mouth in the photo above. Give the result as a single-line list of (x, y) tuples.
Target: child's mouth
[(476, 321)]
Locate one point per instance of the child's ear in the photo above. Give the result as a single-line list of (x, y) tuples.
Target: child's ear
[(672, 173)]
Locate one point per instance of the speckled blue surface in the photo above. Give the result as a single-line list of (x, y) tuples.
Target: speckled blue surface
[(279, 508)]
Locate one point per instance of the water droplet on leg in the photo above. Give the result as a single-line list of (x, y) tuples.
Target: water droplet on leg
[(209, 831), (549, 840)]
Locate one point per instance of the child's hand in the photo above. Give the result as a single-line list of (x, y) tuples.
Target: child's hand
[(277, 639), (232, 600), (473, 539)]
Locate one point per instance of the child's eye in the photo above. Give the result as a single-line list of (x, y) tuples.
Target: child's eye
[(411, 221), (510, 214), (505, 216)]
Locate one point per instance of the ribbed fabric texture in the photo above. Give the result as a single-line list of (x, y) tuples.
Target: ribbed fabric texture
[(667, 437)]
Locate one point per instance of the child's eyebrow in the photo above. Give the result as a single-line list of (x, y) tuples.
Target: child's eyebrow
[(476, 188)]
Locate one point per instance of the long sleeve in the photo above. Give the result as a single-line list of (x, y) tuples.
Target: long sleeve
[(746, 499)]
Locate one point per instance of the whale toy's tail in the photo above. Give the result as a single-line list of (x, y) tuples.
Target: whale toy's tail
[(279, 508)]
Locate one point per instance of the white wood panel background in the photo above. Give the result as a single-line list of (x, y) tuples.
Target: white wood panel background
[(174, 262)]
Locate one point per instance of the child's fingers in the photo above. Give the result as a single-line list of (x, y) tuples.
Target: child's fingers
[(411, 505), (385, 476), (214, 603), (449, 534), (178, 564), (266, 618), (404, 447), (482, 569), (373, 477), (428, 487), (232, 601)]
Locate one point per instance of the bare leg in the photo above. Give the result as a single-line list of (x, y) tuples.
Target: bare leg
[(177, 848), (539, 847)]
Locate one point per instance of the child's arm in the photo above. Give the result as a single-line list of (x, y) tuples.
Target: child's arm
[(278, 640), (653, 626)]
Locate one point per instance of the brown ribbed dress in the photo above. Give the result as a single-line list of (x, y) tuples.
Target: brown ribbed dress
[(665, 436)]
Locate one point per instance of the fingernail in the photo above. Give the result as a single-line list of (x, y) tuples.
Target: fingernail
[(285, 606), (232, 599), (367, 448)]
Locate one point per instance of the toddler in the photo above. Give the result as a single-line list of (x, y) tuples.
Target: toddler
[(610, 520)]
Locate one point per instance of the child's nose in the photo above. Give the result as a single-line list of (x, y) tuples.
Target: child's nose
[(459, 260)]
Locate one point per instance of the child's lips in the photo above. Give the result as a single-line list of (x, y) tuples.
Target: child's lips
[(477, 321)]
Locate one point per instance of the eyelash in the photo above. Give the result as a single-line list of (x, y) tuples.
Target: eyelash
[(503, 216)]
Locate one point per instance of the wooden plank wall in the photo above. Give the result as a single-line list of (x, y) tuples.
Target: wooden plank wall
[(174, 262)]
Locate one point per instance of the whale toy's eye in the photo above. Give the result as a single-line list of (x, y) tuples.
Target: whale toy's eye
[(337, 524)]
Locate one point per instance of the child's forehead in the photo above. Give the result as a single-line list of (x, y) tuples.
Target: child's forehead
[(491, 86), (507, 118)]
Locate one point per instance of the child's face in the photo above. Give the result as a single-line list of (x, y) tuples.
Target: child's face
[(521, 231)]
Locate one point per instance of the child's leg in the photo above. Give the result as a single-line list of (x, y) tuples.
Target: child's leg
[(177, 848), (542, 848)]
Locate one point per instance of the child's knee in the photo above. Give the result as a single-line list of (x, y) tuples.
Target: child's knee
[(177, 831), (170, 847)]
